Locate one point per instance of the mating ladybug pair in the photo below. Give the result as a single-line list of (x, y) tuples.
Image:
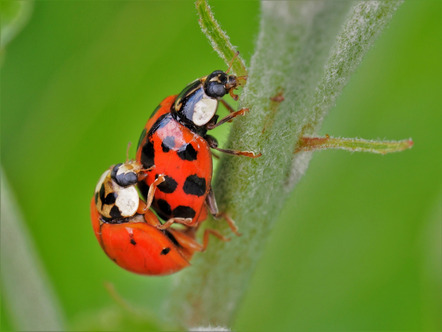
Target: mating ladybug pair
[(173, 171)]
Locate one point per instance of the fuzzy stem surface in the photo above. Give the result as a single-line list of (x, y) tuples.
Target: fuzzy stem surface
[(301, 47)]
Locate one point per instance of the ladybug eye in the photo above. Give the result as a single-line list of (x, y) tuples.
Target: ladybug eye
[(215, 89)]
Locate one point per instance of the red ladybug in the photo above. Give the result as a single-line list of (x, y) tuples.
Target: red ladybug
[(128, 231), (175, 141)]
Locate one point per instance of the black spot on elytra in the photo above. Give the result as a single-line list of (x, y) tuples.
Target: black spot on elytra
[(168, 143), (168, 186), (183, 212), (194, 185), (148, 150), (165, 251), (132, 241), (164, 207), (115, 212), (147, 154), (142, 136), (144, 188), (187, 152)]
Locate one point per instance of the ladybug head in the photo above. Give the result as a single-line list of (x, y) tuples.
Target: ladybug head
[(218, 83), (126, 174), (196, 105), (115, 196)]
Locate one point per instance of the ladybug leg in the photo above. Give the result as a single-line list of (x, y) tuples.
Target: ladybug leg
[(211, 203), (151, 218), (216, 156), (233, 95), (213, 143), (206, 235), (213, 208), (229, 221), (227, 118), (190, 244), (160, 179), (182, 221), (227, 106), (249, 154), (142, 208), (143, 173), (187, 241)]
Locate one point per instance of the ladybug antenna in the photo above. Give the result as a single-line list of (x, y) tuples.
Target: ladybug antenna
[(231, 62), (127, 151)]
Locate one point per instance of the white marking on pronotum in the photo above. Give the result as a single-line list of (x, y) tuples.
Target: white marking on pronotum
[(204, 110), (127, 201)]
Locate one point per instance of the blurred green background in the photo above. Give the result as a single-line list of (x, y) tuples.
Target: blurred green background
[(358, 245)]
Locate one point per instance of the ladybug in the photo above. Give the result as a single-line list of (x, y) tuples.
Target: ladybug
[(128, 231), (175, 141)]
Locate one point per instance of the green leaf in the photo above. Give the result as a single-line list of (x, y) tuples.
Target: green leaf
[(218, 38)]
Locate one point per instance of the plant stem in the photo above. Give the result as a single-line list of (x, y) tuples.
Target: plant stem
[(301, 45), (26, 291), (218, 38), (352, 144)]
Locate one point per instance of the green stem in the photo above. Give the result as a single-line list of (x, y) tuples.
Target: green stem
[(219, 39), (352, 144), (301, 44), (26, 290)]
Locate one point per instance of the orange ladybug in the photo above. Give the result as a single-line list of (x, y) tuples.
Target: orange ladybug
[(128, 231), (175, 141)]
